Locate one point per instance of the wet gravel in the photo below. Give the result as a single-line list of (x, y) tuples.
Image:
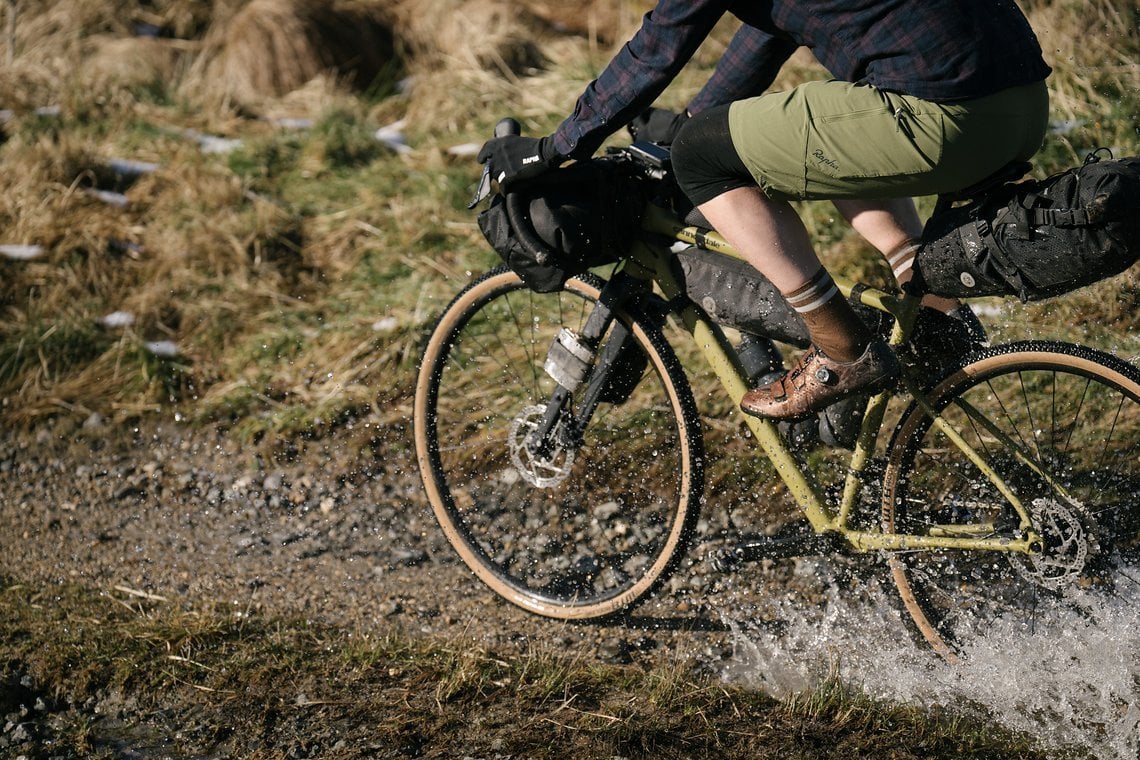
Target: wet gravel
[(338, 533), (192, 517)]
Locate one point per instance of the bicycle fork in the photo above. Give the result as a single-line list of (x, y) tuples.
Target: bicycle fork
[(573, 357)]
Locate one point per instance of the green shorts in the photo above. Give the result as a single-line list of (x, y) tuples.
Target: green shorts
[(834, 140)]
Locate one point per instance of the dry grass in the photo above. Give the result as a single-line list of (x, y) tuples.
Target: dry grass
[(62, 47), (203, 678), (1092, 46), (135, 63), (268, 48), (295, 274)]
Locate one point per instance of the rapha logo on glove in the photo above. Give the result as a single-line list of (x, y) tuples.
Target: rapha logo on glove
[(531, 160)]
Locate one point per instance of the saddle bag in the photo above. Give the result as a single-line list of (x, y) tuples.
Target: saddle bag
[(565, 222), (1037, 239)]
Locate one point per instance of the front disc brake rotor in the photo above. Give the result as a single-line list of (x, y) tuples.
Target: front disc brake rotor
[(540, 470)]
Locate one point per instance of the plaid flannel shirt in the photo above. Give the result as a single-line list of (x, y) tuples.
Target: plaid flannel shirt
[(940, 50)]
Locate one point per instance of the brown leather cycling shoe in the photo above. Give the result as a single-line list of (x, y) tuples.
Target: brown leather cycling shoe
[(818, 380)]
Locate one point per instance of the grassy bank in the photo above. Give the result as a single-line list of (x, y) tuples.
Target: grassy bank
[(266, 265), (273, 265), (95, 674)]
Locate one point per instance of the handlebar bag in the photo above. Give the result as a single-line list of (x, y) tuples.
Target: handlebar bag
[(565, 222), (1037, 239)]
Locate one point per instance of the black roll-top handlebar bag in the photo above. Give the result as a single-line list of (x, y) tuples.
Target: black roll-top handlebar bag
[(565, 222)]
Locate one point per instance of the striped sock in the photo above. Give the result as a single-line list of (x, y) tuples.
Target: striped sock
[(814, 293), (832, 324), (901, 259)]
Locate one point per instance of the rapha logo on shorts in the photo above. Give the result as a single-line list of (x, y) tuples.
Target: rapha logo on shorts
[(823, 160)]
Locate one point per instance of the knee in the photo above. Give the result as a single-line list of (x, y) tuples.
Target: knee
[(692, 145), (705, 161)]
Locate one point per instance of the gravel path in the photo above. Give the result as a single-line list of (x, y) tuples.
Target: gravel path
[(192, 517)]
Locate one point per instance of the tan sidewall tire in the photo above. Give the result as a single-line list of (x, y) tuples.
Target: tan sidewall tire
[(438, 341), (1026, 359)]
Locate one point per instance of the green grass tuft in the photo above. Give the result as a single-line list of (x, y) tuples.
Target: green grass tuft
[(223, 676)]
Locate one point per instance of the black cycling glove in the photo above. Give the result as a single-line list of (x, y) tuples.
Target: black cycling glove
[(657, 125), (514, 159)]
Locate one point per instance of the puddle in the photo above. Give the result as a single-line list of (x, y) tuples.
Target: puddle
[(1073, 682)]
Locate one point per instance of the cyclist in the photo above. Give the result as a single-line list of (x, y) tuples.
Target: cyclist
[(929, 96)]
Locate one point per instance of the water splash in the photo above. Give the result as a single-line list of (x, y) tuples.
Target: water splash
[(1074, 681)]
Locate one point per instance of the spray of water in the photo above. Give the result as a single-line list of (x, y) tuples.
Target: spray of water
[(1073, 681)]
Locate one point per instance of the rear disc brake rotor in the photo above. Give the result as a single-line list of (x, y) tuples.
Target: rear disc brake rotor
[(1066, 545)]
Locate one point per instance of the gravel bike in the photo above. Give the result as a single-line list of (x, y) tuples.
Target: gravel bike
[(561, 448)]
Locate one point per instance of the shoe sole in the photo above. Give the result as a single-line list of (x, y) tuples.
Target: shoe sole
[(871, 389)]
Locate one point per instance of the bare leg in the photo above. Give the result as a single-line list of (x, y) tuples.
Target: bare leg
[(772, 238), (847, 358), (769, 234), (887, 225)]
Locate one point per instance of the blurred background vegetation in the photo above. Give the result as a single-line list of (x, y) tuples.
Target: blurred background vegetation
[(247, 212)]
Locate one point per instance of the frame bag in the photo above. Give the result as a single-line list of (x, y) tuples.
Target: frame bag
[(1037, 239), (733, 293)]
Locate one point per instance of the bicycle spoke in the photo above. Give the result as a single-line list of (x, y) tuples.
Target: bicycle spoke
[(1077, 414), (1034, 427), (494, 352), (1111, 432), (1004, 412), (523, 341), (1060, 425), (594, 518)]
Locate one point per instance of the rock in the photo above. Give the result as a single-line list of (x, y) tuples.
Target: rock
[(616, 652)]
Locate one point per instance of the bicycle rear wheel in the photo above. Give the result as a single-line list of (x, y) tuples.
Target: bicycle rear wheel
[(588, 529), (1074, 414)]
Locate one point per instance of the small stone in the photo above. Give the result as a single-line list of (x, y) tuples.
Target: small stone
[(21, 252), (408, 557), (616, 652)]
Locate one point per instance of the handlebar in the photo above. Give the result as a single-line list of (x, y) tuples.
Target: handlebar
[(508, 127), (652, 159)]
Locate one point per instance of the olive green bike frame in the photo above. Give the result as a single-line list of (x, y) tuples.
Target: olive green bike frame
[(652, 262)]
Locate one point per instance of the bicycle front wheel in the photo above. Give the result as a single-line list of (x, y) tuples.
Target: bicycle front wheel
[(1060, 424), (587, 529)]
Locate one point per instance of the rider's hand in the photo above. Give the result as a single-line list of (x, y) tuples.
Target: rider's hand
[(657, 125), (514, 159)]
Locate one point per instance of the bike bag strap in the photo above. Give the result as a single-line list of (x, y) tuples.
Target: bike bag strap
[(518, 214)]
